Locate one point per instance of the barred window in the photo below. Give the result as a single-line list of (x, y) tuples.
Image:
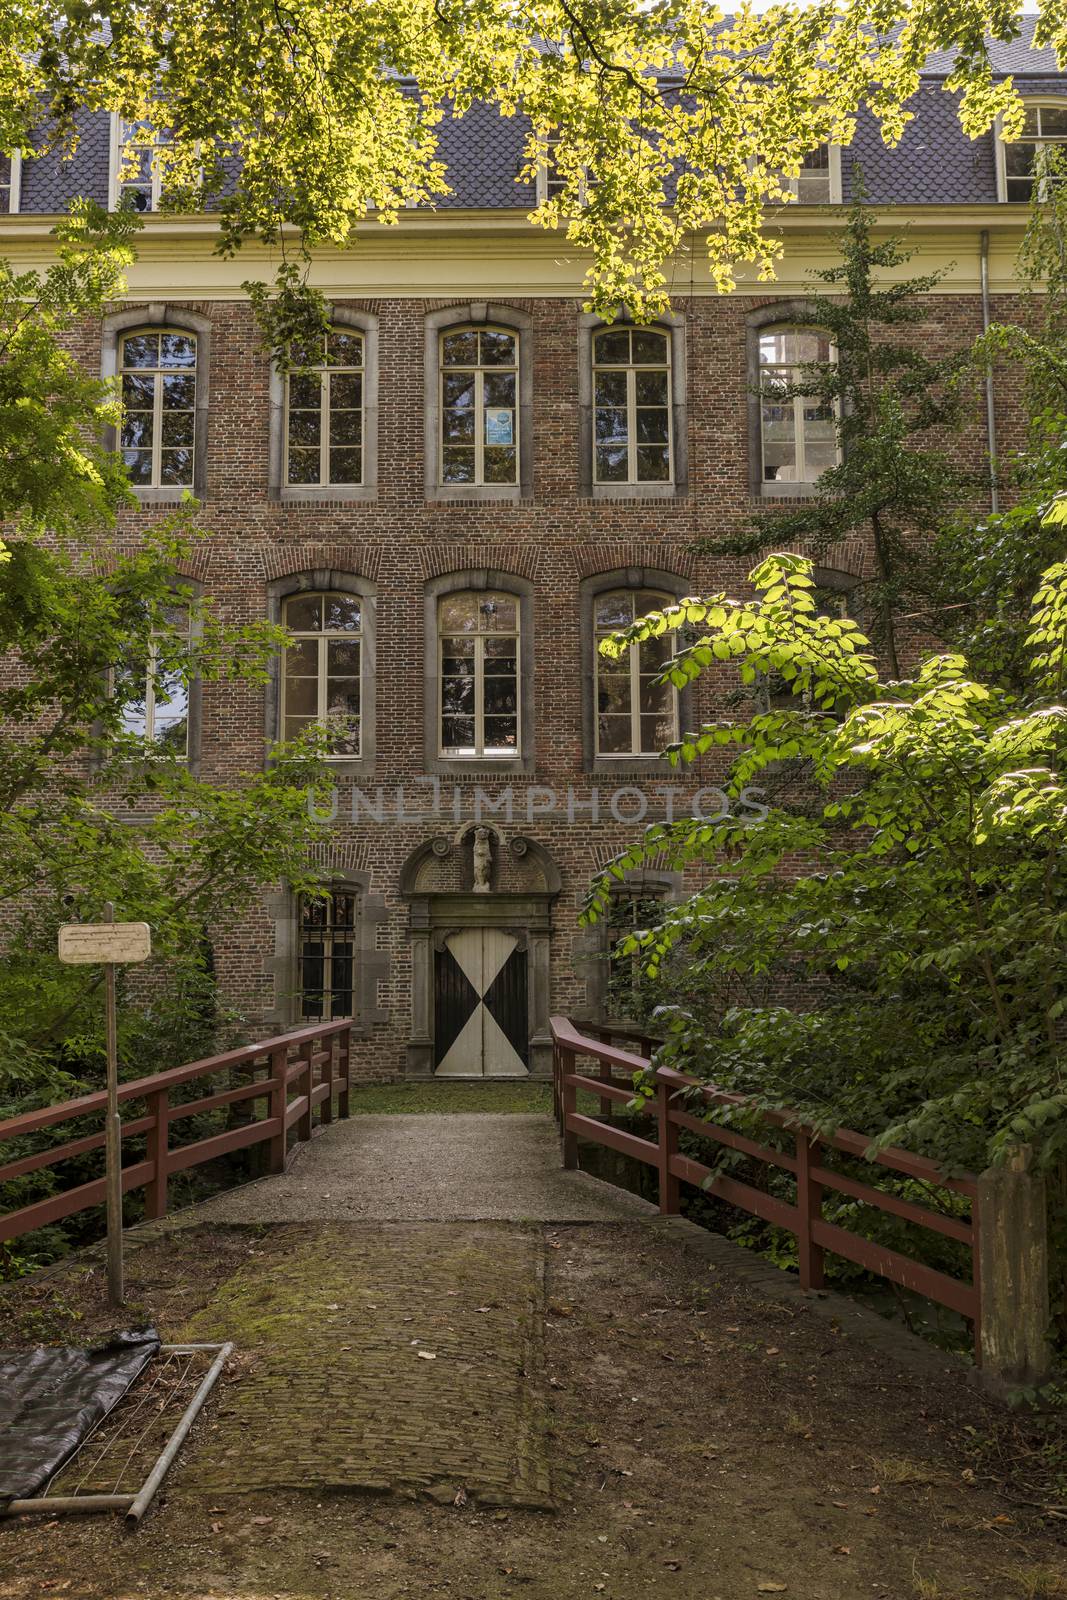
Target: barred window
[(479, 440), (326, 973), (798, 434), (324, 414), (158, 434), (479, 674), (635, 714), (632, 406), (322, 677)]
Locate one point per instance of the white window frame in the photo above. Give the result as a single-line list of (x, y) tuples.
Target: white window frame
[(151, 673), (14, 186), (325, 371), (158, 374), (479, 752), (785, 486), (1031, 102), (547, 174), (478, 482), (119, 125), (834, 173), (631, 370), (633, 668), (322, 638)]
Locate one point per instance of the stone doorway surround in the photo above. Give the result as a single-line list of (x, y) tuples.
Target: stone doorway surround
[(449, 886)]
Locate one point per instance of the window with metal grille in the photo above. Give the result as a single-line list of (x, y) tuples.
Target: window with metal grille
[(158, 434), (326, 975)]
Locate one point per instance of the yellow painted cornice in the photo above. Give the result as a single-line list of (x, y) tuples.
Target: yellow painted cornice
[(474, 253)]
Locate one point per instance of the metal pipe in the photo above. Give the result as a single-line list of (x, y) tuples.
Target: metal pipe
[(990, 408), (47, 1505), (144, 1498)]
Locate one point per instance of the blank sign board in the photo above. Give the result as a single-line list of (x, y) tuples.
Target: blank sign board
[(85, 943)]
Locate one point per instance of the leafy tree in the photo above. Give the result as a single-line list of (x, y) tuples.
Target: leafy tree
[(297, 121), (927, 926), (92, 810), (895, 482)]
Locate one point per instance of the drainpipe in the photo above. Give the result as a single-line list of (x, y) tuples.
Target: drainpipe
[(990, 410)]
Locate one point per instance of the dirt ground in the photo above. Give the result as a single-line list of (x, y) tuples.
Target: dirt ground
[(708, 1442)]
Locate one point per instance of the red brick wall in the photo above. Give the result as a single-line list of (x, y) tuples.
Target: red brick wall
[(401, 539)]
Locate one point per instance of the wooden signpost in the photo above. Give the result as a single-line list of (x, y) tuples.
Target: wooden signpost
[(108, 944)]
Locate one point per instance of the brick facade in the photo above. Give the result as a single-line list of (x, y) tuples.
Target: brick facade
[(400, 541)]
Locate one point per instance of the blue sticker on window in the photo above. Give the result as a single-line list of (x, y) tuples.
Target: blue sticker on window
[(498, 425)]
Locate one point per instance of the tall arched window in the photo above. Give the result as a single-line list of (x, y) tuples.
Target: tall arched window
[(635, 715), (798, 435), (321, 678), (478, 641), (158, 435), (631, 406), (479, 436), (326, 960), (324, 415)]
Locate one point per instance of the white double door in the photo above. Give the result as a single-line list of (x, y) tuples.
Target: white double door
[(481, 1019)]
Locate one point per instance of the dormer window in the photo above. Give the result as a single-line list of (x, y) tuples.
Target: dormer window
[(1024, 162), (10, 182), (818, 183)]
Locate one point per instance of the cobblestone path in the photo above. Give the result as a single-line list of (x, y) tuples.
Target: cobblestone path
[(432, 1167), (408, 1358)]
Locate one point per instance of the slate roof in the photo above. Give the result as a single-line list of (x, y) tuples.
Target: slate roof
[(934, 164)]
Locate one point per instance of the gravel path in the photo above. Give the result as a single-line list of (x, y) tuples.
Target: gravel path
[(429, 1169)]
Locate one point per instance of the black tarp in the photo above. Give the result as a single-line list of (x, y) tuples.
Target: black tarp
[(51, 1398)]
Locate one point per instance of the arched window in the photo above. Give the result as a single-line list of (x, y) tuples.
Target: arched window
[(635, 715), (326, 960), (1023, 162), (798, 435), (324, 415), (158, 433), (631, 406), (322, 670), (478, 641), (479, 436)]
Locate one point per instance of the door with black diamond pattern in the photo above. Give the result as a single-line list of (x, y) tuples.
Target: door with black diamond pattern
[(480, 1007)]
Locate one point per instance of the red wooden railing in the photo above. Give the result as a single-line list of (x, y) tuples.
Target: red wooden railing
[(812, 1175), (312, 1064)]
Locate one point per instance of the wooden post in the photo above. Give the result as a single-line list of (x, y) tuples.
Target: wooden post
[(306, 1082), (809, 1206), (604, 1075), (569, 1106), (279, 1104), (670, 1188), (345, 1069), (1011, 1219), (326, 1115), (155, 1200)]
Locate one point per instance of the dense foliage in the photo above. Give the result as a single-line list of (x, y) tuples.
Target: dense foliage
[(893, 407), (299, 121), (93, 809)]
